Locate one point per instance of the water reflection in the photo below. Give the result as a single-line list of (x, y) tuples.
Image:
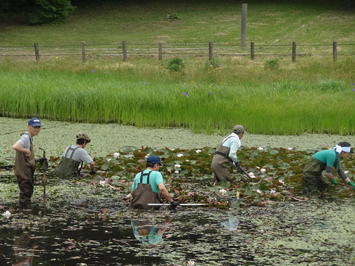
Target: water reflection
[(24, 250), (149, 232)]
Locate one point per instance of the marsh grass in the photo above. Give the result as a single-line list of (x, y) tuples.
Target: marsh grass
[(313, 95)]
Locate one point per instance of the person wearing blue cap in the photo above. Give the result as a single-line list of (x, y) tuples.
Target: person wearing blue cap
[(25, 162), (148, 186), (313, 179)]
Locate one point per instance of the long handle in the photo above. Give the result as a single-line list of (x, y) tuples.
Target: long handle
[(181, 204)]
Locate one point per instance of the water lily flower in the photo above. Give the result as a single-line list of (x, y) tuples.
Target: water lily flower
[(282, 182), (198, 151), (272, 191), (6, 214), (290, 149), (176, 172), (177, 165), (346, 172), (260, 148), (259, 191), (223, 191), (180, 155), (251, 174), (263, 170), (190, 263), (116, 155), (102, 182)]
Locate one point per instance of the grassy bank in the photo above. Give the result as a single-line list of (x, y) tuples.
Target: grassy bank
[(309, 96)]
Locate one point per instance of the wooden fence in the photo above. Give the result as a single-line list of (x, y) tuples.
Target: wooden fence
[(210, 50)]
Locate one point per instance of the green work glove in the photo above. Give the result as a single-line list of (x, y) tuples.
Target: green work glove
[(352, 184), (334, 181)]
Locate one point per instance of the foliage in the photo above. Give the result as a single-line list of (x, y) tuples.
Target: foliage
[(272, 64), (173, 16), (213, 64), (47, 11), (175, 64)]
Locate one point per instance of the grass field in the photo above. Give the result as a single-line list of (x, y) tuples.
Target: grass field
[(311, 95)]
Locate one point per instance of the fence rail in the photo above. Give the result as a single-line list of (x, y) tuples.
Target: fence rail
[(210, 50)]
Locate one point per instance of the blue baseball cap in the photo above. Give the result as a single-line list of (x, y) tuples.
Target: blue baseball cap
[(34, 121), (153, 159)]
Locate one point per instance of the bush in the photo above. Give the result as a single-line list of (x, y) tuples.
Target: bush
[(47, 11), (272, 64), (175, 64)]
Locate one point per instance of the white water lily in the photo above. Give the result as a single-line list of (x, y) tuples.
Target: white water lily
[(6, 214), (272, 191), (198, 151), (190, 263), (251, 175), (260, 148), (177, 165), (259, 191), (282, 182), (263, 170), (116, 155), (176, 172), (180, 155), (223, 191), (346, 172), (187, 160), (102, 182), (290, 149)]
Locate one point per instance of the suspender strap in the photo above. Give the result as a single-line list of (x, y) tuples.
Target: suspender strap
[(28, 137), (145, 174), (70, 149)]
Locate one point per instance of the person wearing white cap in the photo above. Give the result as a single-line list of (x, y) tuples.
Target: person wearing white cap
[(326, 160), (25, 162), (226, 155)]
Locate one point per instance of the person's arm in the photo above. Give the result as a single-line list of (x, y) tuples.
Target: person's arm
[(235, 144), (18, 147), (164, 192)]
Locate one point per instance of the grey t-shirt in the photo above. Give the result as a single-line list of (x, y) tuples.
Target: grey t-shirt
[(25, 141), (80, 155)]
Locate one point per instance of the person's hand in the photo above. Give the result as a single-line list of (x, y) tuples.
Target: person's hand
[(174, 204), (352, 184), (334, 181), (27, 153), (237, 165), (92, 172)]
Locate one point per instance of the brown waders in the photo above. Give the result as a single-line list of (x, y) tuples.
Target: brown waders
[(221, 164), (68, 167), (312, 178), (144, 195), (24, 171)]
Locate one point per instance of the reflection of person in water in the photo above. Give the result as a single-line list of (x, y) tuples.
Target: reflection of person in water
[(23, 250), (148, 233)]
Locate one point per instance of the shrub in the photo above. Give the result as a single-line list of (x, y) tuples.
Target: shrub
[(175, 64), (47, 11), (272, 64)]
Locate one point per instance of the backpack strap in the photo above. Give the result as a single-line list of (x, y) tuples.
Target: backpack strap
[(145, 174)]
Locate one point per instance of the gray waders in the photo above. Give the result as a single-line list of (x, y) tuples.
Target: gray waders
[(144, 195), (24, 171), (221, 163), (312, 178), (68, 167)]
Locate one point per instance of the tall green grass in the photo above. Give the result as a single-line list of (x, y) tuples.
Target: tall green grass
[(310, 96)]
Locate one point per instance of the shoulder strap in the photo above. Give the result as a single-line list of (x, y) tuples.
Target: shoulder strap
[(145, 174), (28, 137), (227, 139), (70, 148)]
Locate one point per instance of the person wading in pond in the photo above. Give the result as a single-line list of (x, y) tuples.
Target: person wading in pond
[(226, 155), (73, 158), (25, 162), (148, 186), (328, 160)]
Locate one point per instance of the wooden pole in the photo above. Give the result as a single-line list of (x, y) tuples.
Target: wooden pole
[(335, 51), (293, 51), (160, 51), (36, 46), (243, 32), (83, 51), (252, 51), (124, 51), (210, 51)]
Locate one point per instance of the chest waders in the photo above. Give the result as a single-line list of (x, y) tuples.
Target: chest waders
[(68, 167), (24, 170), (144, 195), (221, 163)]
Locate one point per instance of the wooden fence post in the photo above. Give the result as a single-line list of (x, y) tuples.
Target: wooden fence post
[(160, 51), (124, 51), (243, 32), (252, 51), (335, 51), (293, 51), (83, 52), (36, 46), (210, 51)]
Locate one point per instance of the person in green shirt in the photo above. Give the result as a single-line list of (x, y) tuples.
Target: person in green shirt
[(148, 186), (326, 160)]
